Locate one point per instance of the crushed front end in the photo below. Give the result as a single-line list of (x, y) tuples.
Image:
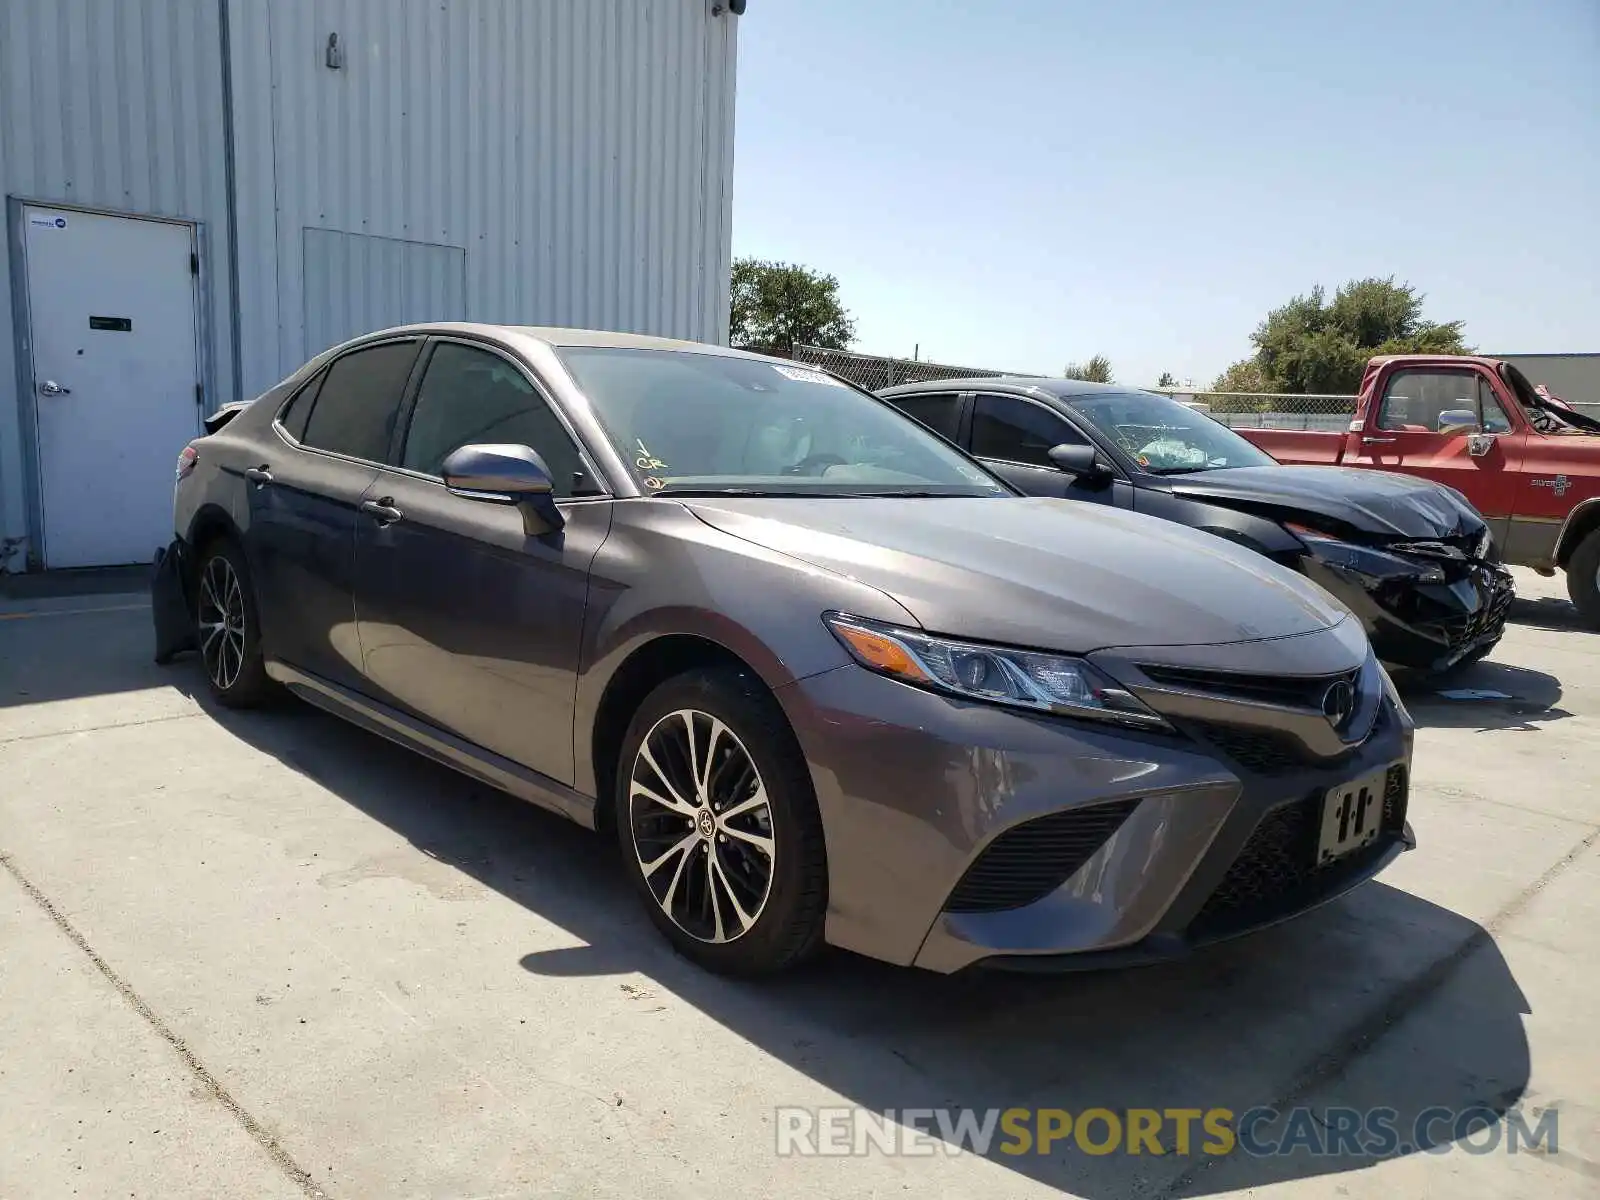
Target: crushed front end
[(1427, 604)]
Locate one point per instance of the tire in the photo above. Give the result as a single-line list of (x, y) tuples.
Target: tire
[(228, 627), (719, 734), (1583, 579)]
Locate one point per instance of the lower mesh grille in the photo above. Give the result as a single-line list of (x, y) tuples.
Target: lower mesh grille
[(1262, 751), (1277, 873), (1028, 862)]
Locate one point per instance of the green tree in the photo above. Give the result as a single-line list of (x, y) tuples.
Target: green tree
[(1243, 376), (1167, 380), (1096, 370), (780, 306), (1313, 344)]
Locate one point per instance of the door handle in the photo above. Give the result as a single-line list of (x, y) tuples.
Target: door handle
[(258, 474), (383, 511), (51, 388), (1375, 441)]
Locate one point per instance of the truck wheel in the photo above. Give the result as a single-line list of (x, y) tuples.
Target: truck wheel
[(1583, 579)]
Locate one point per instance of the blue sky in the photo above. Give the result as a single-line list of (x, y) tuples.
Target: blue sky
[(1018, 184)]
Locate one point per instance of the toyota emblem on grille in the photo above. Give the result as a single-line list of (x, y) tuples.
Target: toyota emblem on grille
[(1338, 702)]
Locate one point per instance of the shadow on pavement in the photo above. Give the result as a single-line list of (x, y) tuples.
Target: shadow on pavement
[(1488, 695), (1546, 612), (1314, 1011)]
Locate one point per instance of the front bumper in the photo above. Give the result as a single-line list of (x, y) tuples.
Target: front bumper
[(172, 601), (944, 821), (1427, 627)]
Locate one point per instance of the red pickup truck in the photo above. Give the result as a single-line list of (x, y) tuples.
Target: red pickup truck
[(1526, 460)]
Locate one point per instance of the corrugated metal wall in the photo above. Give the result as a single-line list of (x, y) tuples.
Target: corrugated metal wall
[(116, 106), (354, 282), (562, 162), (578, 152)]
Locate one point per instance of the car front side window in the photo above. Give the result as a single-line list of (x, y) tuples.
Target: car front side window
[(1011, 429), (473, 396), (355, 409)]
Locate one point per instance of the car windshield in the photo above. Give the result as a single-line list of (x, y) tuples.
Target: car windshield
[(1165, 437), (689, 422)]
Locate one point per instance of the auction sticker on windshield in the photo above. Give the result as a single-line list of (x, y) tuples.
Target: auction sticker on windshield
[(801, 375)]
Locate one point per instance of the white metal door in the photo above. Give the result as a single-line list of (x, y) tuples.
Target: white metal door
[(111, 311)]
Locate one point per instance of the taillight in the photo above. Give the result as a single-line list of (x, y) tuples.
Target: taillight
[(186, 462)]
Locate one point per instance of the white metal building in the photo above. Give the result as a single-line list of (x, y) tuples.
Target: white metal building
[(1573, 377), (200, 194)]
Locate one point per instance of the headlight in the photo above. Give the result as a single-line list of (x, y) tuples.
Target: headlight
[(1049, 683), (1364, 560)]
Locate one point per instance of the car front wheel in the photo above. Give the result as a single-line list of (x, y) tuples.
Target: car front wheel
[(718, 824)]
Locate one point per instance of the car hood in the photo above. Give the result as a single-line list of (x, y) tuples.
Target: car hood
[(1038, 571), (1382, 504)]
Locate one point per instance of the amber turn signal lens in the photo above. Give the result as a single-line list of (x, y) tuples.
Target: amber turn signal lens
[(880, 652)]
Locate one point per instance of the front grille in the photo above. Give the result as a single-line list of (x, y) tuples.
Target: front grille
[(1268, 751), (1030, 860), (1487, 622), (1289, 691), (1394, 799), (1277, 871), (1259, 751)]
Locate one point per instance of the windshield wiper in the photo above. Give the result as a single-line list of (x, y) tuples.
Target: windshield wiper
[(669, 490)]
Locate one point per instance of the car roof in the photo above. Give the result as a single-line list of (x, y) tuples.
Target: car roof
[(557, 336), (1061, 389)]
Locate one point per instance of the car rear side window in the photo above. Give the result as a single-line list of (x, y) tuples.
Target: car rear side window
[(471, 395), (358, 401), (939, 412), (1012, 429), (297, 412)]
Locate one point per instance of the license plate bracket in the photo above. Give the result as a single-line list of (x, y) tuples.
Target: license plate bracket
[(1352, 816)]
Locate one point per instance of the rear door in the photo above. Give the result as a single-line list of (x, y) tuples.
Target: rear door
[(304, 497), (465, 620), (1446, 424), (1013, 435)]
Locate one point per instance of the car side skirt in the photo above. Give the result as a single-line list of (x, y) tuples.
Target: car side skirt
[(439, 745)]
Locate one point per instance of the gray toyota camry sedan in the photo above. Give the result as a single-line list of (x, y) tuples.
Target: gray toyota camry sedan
[(822, 676)]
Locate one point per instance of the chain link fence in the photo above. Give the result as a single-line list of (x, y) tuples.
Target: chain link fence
[(875, 371), (1240, 410), (1269, 410)]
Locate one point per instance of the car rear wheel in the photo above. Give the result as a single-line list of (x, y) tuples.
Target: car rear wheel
[(718, 824), (228, 628), (1583, 579)]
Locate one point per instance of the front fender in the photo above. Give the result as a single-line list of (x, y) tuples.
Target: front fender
[(662, 572)]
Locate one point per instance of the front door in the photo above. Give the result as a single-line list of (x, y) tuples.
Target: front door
[(1446, 424), (115, 376), (465, 619)]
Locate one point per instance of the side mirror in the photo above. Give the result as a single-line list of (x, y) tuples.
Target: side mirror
[(506, 474), (1083, 461), (1458, 420)]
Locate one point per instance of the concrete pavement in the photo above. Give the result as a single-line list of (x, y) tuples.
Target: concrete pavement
[(321, 965)]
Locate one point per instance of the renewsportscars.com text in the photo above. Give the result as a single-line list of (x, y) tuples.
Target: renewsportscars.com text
[(1209, 1132)]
